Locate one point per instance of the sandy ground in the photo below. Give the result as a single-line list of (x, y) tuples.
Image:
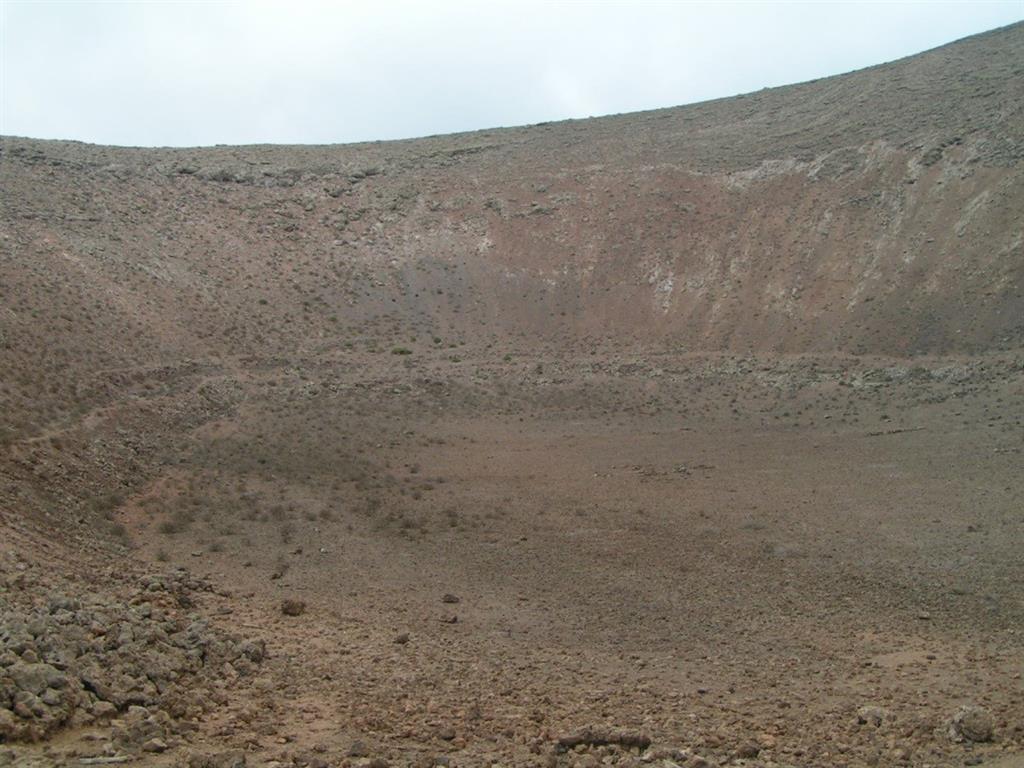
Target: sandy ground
[(714, 564)]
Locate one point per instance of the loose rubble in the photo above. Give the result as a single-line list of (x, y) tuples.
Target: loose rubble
[(143, 665)]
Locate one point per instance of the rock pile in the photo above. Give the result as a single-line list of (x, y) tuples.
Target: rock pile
[(146, 661)]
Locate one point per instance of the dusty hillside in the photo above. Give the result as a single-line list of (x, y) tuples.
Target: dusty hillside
[(700, 425), (877, 212)]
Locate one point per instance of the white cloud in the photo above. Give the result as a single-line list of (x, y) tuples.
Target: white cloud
[(567, 94), (238, 72)]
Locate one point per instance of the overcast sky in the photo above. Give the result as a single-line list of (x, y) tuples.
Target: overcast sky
[(199, 73)]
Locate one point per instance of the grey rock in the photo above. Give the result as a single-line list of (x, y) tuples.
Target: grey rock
[(155, 745), (971, 723), (871, 715), (36, 678)]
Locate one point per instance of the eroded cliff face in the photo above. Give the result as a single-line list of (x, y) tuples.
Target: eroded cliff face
[(867, 249)]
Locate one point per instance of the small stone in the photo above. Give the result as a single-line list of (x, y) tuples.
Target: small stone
[(748, 751), (971, 723), (102, 709), (254, 650), (870, 715), (358, 749), (766, 740), (50, 697), (155, 745), (402, 639), (35, 678)]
